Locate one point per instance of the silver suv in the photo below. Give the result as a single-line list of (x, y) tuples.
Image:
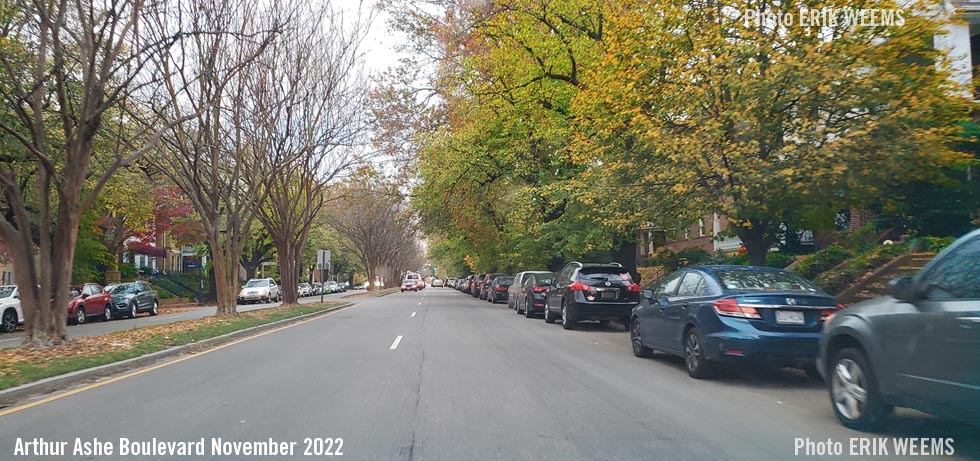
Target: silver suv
[(260, 290)]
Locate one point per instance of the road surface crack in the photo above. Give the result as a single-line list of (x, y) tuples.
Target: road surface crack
[(418, 401)]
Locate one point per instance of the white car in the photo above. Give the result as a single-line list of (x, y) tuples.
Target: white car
[(11, 315), (437, 283), (259, 290), (305, 289)]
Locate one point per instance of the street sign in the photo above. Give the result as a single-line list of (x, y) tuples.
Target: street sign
[(323, 259)]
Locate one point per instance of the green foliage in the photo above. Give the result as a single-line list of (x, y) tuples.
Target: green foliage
[(937, 244), (837, 280), (91, 256), (862, 239), (812, 265), (779, 259)]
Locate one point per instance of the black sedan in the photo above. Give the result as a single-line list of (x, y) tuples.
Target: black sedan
[(531, 297)]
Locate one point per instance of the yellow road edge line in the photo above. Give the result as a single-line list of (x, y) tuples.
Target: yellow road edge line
[(160, 365)]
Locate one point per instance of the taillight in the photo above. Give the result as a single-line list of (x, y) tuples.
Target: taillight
[(633, 288), (539, 289), (578, 286), (828, 315), (501, 288), (729, 307)]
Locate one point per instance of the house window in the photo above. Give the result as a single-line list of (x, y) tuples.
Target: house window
[(701, 231)]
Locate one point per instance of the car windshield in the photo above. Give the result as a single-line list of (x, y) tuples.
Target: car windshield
[(257, 283), (544, 280), (505, 281), (753, 280), (6, 291), (123, 288), (304, 285)]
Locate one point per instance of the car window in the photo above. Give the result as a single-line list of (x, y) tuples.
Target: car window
[(256, 283), (956, 276), (759, 280), (90, 290), (122, 288), (669, 286), (691, 285), (6, 291)]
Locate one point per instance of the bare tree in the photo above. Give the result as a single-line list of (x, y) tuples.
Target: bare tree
[(307, 93), (378, 227), (64, 65), (208, 156)]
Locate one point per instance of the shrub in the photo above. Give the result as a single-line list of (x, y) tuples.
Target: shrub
[(937, 244), (839, 279), (692, 256), (862, 239), (777, 259), (814, 264)]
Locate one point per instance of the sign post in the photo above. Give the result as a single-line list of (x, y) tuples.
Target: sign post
[(323, 265)]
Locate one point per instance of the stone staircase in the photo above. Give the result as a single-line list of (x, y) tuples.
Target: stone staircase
[(876, 283)]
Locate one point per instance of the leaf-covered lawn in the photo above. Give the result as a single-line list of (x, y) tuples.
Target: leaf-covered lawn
[(22, 365)]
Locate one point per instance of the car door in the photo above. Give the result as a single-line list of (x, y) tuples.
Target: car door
[(655, 325), (555, 293), (944, 366)]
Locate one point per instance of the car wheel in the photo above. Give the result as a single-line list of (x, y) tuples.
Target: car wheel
[(155, 309), (527, 308), (133, 311), (566, 322), (695, 362), (854, 391), (639, 349), (107, 313), (548, 316), (80, 315), (264, 299), (9, 322)]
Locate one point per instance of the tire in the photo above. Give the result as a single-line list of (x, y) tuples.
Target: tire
[(567, 322), (696, 364), (548, 316), (155, 309), (80, 315), (639, 349), (133, 311), (107, 313), (8, 324), (264, 300), (527, 308), (849, 367)]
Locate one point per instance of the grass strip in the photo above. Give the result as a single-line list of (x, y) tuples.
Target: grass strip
[(23, 365)]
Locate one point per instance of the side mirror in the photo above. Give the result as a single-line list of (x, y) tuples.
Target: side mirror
[(663, 301), (84, 295), (647, 294), (902, 289)]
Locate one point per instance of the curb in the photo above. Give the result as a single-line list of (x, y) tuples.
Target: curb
[(47, 385)]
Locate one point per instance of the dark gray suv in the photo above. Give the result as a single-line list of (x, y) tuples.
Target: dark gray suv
[(918, 348)]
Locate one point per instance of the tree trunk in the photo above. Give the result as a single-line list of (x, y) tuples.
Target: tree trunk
[(288, 270), (756, 242)]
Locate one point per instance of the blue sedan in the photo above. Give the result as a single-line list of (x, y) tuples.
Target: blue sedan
[(708, 314)]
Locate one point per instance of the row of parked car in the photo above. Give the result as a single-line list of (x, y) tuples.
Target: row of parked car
[(918, 348), (87, 302), (317, 288)]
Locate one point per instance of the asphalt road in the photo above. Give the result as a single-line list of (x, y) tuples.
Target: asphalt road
[(466, 380), (95, 327)]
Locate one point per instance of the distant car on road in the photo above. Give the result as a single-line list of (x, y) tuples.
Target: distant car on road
[(437, 283), (485, 285), (586, 291), (87, 301), (531, 297), (409, 284), (498, 289), (10, 313), (260, 290), (131, 298), (918, 348), (331, 287), (305, 289), (709, 314)]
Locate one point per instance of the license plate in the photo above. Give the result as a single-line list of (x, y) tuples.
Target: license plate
[(607, 295), (789, 317)]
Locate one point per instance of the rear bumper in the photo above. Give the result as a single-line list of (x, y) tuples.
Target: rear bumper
[(784, 349), (600, 311)]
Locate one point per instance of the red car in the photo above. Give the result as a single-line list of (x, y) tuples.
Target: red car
[(87, 301), (409, 285)]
